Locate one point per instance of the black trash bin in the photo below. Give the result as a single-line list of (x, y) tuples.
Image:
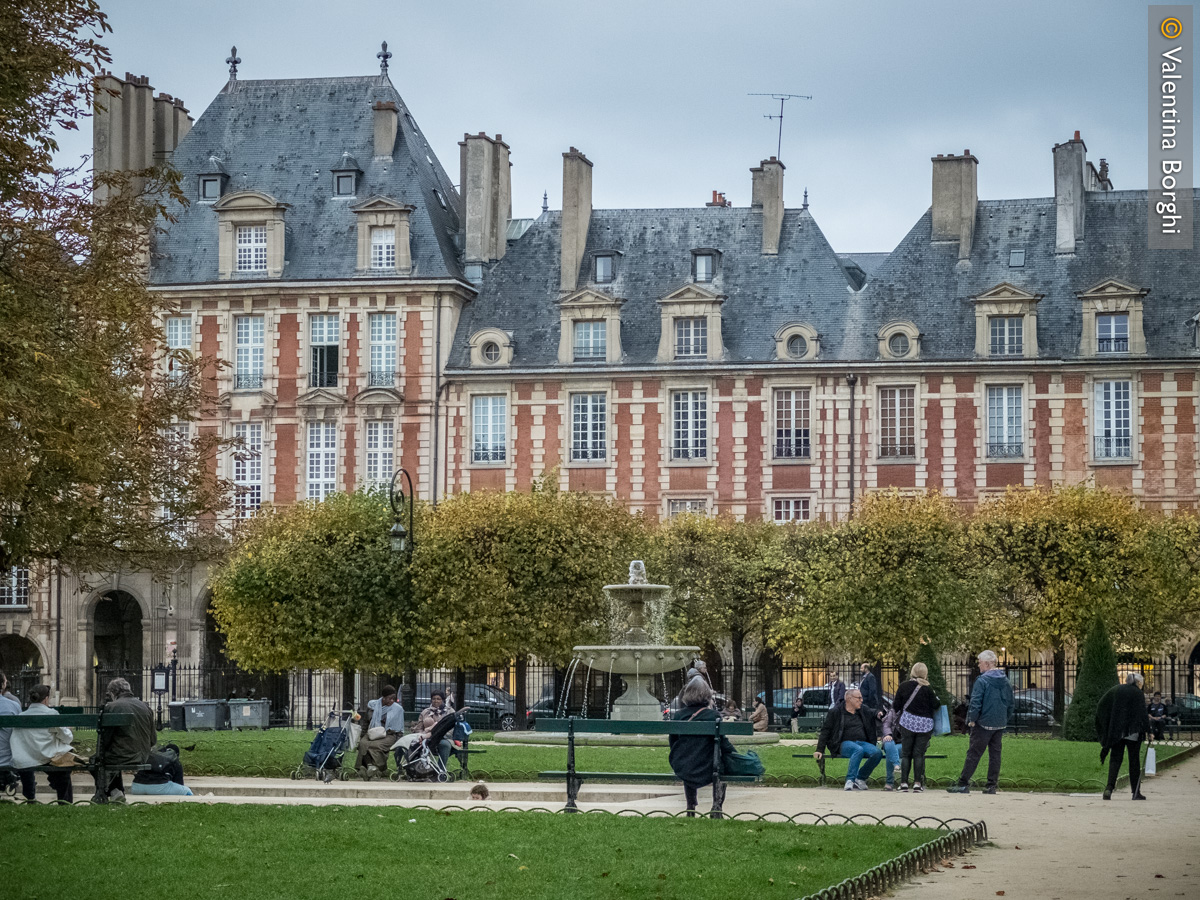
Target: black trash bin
[(176, 720)]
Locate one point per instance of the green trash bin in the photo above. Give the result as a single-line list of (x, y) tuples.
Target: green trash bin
[(249, 713)]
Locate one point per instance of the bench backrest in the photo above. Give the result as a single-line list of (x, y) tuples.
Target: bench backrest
[(626, 726), (75, 720)]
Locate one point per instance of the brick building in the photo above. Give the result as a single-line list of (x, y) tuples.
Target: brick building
[(720, 358)]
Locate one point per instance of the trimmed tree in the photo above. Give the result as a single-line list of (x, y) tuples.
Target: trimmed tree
[(937, 678), (1097, 675)]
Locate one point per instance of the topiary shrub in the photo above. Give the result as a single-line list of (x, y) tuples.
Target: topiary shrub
[(937, 680), (1097, 675)]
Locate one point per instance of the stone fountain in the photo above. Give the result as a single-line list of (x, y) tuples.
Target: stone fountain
[(633, 655)]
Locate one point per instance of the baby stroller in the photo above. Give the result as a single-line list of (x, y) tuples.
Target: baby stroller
[(421, 762), (324, 756)]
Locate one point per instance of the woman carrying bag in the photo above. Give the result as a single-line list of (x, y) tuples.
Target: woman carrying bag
[(918, 703)]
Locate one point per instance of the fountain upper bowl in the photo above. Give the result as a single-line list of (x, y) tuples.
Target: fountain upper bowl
[(635, 659)]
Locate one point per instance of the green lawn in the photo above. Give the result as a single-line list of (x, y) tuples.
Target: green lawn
[(249, 852), (1029, 762)]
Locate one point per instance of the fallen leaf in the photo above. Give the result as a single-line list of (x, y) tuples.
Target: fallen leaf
[(522, 868), (968, 867), (999, 893), (1160, 876), (770, 881)]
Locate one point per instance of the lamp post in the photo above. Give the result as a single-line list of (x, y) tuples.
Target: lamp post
[(403, 539)]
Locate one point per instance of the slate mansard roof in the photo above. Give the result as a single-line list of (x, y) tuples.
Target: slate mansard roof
[(806, 282), (283, 137), (920, 281)]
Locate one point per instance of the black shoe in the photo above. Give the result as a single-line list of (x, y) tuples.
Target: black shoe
[(958, 789), (989, 790), (1108, 793), (1139, 796)]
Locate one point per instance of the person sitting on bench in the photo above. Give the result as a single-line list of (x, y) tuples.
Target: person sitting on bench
[(849, 732), (32, 747), (691, 756), (385, 728), (126, 745)]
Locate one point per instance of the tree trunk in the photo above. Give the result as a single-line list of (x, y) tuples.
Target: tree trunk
[(716, 667), (408, 691), (1060, 682), (522, 705), (460, 688), (737, 640)]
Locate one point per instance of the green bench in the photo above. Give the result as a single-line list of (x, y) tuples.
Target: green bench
[(804, 723), (96, 767), (574, 778), (826, 757)]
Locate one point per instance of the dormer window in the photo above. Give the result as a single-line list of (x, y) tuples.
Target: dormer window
[(604, 269), (898, 345), (212, 181), (899, 340), (1006, 335), (210, 187), (383, 247), (691, 338), (1112, 333), (252, 248), (345, 176), (705, 264), (343, 185)]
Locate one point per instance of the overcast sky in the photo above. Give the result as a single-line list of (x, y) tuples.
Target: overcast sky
[(655, 91)]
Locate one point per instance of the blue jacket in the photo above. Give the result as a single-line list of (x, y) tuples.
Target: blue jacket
[(991, 700)]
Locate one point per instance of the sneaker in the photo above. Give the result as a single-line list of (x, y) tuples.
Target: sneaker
[(958, 789), (917, 789), (903, 787), (850, 786), (889, 787), (861, 784), (989, 790), (116, 795)]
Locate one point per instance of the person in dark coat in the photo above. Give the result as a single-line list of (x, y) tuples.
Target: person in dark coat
[(849, 732), (126, 745), (869, 685), (1157, 710), (691, 756), (1122, 723)]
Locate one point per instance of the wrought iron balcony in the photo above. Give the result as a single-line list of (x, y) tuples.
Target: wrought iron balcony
[(1114, 447), (323, 379), (792, 448), (247, 382), (378, 378), (590, 353), (1112, 345), (488, 454), (1005, 450), (897, 451)]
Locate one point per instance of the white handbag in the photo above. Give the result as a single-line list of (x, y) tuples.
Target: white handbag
[(1151, 762)]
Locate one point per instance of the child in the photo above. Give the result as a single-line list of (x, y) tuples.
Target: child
[(479, 792)]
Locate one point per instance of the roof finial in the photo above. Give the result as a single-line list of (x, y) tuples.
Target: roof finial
[(383, 56), (233, 61), (545, 202), (805, 206)]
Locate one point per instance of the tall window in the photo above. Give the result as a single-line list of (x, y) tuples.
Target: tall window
[(383, 349), (323, 337), (383, 248), (791, 509), (791, 423), (691, 337), (689, 425), (686, 505), (1006, 336), (322, 460), (589, 426), (176, 446), (252, 248), (179, 340), (248, 352), (1112, 333), (591, 339), (14, 587), (489, 428), (381, 449), (1114, 430), (897, 422), (704, 266), (604, 269), (247, 468), (1005, 432)]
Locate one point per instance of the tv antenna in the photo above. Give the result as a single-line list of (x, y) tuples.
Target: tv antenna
[(782, 98)]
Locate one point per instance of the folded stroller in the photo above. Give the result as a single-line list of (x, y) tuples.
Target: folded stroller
[(324, 756), (421, 761)]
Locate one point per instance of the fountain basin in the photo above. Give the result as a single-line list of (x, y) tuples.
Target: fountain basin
[(636, 659)]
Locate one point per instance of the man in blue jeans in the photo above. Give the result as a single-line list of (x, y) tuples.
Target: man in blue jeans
[(849, 732)]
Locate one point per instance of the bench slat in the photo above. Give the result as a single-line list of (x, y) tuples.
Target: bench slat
[(618, 726), (638, 776), (74, 720)]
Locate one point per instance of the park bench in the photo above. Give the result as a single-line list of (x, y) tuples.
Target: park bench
[(710, 728), (804, 723), (463, 755), (96, 767), (825, 757)]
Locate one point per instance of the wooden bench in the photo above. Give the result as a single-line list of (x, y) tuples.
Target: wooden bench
[(825, 756), (709, 728), (96, 767)]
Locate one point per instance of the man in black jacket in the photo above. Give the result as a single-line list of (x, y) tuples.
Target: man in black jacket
[(849, 732), (126, 745), (1122, 723)]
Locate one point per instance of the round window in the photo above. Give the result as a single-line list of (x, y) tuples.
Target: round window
[(491, 351), (898, 344), (797, 346)]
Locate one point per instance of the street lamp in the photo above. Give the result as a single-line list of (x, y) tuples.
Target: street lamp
[(403, 539)]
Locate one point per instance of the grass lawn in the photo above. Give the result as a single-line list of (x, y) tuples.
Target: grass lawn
[(248, 852), (1029, 762)]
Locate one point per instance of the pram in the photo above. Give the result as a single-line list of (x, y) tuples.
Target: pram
[(324, 756), (421, 762)]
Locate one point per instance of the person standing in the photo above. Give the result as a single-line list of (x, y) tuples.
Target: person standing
[(32, 747), (869, 685), (987, 717), (1158, 716), (385, 728), (914, 707), (126, 745), (837, 688), (1122, 722), (849, 732)]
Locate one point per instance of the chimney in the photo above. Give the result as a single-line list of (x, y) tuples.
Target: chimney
[(131, 128), (766, 194), (387, 118), (718, 200), (576, 216), (955, 196), (1070, 160), (484, 172)]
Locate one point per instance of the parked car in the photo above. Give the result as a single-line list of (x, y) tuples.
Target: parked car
[(816, 703), (1042, 695), (488, 707), (1031, 713)]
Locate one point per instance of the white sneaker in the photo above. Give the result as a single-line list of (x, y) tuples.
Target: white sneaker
[(850, 786), (116, 795), (861, 784), (917, 789)]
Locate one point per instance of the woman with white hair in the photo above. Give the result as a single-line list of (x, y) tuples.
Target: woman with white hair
[(691, 756), (1122, 721)]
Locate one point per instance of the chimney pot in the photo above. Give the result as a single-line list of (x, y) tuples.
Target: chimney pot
[(1077, 135), (499, 137), (966, 153)]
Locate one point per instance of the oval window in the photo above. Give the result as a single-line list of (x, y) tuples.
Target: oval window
[(797, 346), (491, 351)]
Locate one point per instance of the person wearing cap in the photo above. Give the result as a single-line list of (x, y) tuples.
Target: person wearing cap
[(129, 745)]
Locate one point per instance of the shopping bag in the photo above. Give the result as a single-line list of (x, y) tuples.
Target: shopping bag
[(747, 763), (1151, 762), (941, 720)]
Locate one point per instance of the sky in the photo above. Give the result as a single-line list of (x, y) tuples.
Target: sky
[(657, 93)]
